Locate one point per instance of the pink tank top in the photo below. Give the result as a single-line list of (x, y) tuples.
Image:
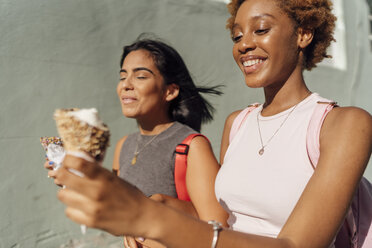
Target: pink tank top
[(260, 191)]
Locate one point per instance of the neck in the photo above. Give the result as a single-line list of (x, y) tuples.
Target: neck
[(282, 96), (153, 127)]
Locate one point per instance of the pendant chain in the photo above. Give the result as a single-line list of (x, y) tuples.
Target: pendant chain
[(262, 150), (136, 152)]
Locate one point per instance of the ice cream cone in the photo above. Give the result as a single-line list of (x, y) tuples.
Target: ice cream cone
[(82, 131)]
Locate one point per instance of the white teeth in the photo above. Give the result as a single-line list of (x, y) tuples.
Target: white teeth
[(252, 62)]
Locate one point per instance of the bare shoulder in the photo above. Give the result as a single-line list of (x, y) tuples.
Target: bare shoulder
[(349, 119), (226, 133), (201, 151), (231, 117), (120, 142), (229, 121), (199, 143), (347, 133), (119, 145)]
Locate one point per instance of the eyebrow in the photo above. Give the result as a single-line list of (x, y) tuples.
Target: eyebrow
[(263, 15), (138, 69), (255, 18)]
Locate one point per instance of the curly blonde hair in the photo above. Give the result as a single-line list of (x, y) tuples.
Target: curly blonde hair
[(315, 15)]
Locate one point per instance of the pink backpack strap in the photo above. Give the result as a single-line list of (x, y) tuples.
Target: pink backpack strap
[(240, 118), (180, 166), (313, 130)]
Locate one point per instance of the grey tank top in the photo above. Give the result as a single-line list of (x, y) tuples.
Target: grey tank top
[(153, 172)]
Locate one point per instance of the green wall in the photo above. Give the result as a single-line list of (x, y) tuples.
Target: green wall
[(66, 53)]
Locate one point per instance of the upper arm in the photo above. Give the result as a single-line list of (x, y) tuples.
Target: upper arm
[(226, 134), (202, 169), (115, 163), (345, 148)]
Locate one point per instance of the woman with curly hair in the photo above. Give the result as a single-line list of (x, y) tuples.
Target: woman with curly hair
[(276, 193)]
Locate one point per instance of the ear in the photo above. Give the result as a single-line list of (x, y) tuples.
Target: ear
[(304, 37), (172, 92)]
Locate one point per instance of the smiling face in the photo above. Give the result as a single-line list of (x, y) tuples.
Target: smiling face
[(141, 89), (265, 43)]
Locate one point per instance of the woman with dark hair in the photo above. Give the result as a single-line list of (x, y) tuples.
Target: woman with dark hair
[(189, 107), (291, 166), (157, 90)]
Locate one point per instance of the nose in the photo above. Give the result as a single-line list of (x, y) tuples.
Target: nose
[(126, 84), (246, 44)]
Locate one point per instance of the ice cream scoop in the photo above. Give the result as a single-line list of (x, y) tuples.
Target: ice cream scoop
[(83, 131)]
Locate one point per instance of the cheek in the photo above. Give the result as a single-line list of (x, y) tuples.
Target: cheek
[(148, 95), (287, 41), (270, 41)]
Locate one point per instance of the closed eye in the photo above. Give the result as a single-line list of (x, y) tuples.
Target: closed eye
[(261, 31), (236, 38)]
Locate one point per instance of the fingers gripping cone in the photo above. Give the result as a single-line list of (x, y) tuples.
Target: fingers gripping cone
[(83, 134)]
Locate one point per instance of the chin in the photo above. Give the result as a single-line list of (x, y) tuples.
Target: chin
[(253, 83), (128, 114)]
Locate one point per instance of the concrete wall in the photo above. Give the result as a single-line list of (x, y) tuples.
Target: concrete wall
[(66, 54)]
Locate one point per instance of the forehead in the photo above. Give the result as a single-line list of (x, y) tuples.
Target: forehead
[(139, 58), (255, 9)]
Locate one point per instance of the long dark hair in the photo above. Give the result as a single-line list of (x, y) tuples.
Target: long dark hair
[(189, 107)]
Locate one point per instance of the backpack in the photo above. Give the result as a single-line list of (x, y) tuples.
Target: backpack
[(180, 166), (356, 232)]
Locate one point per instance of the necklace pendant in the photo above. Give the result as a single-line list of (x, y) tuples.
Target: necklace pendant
[(261, 151), (134, 159)]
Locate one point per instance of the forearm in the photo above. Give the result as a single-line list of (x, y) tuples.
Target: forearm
[(102, 200), (176, 229), (182, 231)]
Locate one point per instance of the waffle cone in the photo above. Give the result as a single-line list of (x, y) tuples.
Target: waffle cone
[(79, 136)]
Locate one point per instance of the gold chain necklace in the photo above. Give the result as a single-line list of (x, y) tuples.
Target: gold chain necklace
[(136, 152), (262, 150)]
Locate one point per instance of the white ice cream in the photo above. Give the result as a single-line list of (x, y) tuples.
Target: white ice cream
[(89, 116)]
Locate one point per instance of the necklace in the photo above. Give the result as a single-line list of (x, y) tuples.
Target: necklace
[(136, 152), (262, 150)]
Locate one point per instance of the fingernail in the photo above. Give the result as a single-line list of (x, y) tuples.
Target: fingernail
[(141, 239), (51, 162)]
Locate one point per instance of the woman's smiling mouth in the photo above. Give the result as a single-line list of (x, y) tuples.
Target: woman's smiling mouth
[(252, 65), (128, 100)]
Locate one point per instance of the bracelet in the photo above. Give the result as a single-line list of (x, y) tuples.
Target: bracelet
[(217, 227)]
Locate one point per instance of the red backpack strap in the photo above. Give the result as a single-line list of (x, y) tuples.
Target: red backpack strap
[(313, 131), (180, 166), (240, 118)]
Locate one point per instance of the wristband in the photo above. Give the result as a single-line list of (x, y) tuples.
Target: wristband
[(217, 227)]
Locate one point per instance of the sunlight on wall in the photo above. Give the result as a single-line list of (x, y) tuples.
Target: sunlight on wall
[(338, 48)]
